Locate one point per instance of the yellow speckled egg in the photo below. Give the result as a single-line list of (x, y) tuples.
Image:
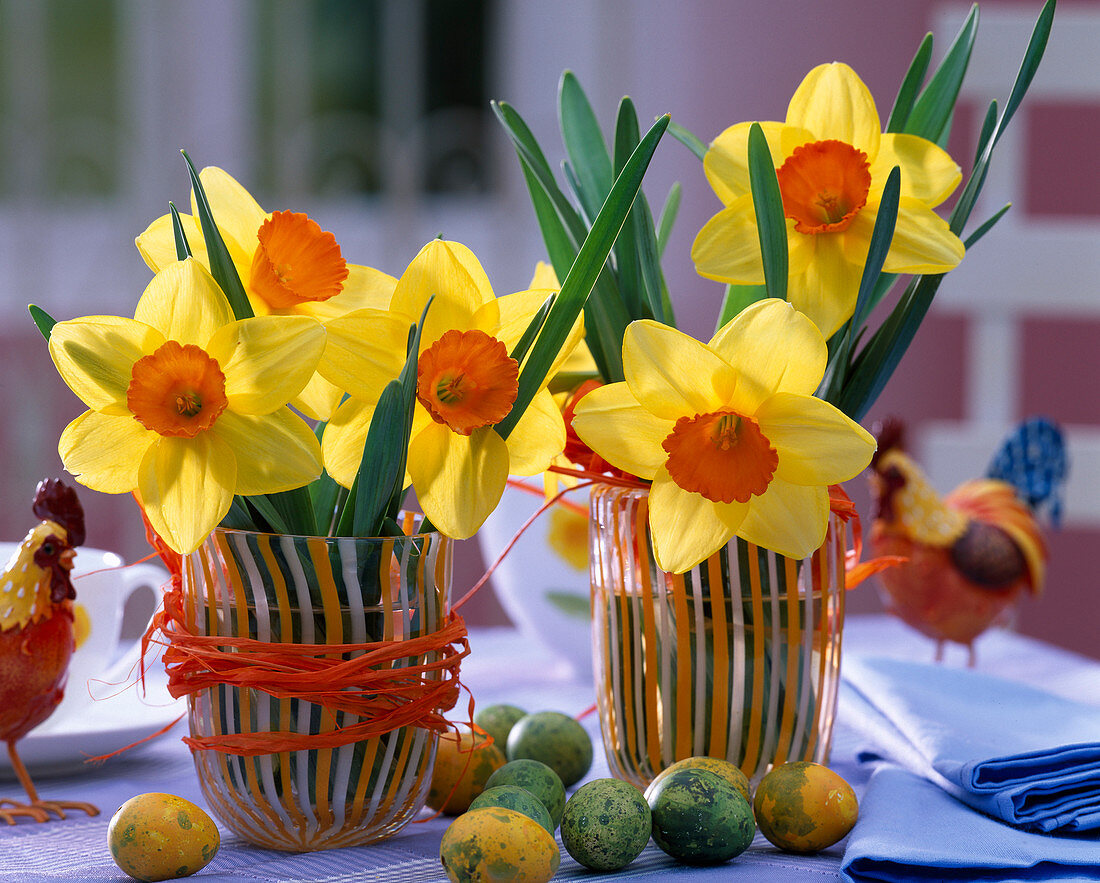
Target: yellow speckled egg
[(463, 763), (494, 843), (161, 837), (804, 807)]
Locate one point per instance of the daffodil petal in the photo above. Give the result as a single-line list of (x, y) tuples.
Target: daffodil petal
[(365, 288), (827, 289), (817, 443), (671, 374), (544, 277), (103, 452), (237, 214), (186, 487), (184, 303), (266, 360), (458, 479), (453, 274), (922, 243), (157, 243), (95, 356), (515, 314), (611, 422), (364, 351), (789, 519), (537, 437), (318, 398), (273, 453), (773, 348), (928, 172), (727, 248), (343, 440), (726, 162), (687, 528), (833, 103)]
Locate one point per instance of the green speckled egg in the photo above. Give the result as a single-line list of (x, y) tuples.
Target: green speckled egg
[(557, 740), (536, 777), (729, 771), (519, 799), (700, 818), (606, 824), (498, 720)]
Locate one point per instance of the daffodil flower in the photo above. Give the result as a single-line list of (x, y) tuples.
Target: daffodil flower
[(466, 383), (287, 264), (832, 161), (728, 432), (187, 406)]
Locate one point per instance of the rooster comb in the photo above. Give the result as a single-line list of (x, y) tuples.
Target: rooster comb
[(56, 501)]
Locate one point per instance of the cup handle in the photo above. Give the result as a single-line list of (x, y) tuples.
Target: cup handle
[(134, 577)]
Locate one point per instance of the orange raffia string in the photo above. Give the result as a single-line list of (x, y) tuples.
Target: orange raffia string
[(367, 685)]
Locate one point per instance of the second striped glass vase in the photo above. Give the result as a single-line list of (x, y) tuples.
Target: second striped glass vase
[(737, 658)]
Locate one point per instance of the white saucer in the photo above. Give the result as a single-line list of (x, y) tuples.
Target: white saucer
[(117, 717)]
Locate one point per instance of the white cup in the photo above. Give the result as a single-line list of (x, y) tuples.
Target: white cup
[(101, 663)]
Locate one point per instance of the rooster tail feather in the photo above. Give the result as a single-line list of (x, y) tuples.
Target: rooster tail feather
[(1033, 459)]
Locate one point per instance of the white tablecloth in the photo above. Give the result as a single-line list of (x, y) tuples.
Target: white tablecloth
[(504, 667)]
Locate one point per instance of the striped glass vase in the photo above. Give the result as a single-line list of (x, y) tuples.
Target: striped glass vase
[(737, 658), (312, 591)]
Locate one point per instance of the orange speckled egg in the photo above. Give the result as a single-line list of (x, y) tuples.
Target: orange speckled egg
[(461, 770), (161, 837), (804, 807), (494, 843)]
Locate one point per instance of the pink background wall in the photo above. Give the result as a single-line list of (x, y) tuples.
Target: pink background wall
[(711, 63)]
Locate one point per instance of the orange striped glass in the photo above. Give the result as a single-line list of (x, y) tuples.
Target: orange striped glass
[(312, 590), (737, 658)]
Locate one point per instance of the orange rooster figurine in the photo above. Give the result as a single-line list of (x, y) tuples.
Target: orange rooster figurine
[(972, 553), (36, 634)]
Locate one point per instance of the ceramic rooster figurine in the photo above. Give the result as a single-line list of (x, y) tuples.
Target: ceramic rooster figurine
[(36, 634), (972, 553)]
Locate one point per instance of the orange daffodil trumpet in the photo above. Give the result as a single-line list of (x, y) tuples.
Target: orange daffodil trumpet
[(186, 405), (832, 161), (287, 264), (729, 433), (458, 464)]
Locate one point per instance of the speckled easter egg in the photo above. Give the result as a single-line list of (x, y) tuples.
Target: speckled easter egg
[(557, 740), (700, 818), (606, 824), (536, 777), (804, 807), (728, 771), (494, 844), (519, 799), (497, 721), (461, 770), (161, 837)]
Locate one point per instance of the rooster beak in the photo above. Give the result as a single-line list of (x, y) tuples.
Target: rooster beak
[(66, 559)]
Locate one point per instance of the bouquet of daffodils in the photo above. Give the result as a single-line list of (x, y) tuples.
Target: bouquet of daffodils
[(821, 214), (266, 384)]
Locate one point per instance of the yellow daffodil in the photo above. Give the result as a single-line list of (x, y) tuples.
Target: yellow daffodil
[(287, 264), (832, 161), (728, 432), (188, 406), (466, 383)]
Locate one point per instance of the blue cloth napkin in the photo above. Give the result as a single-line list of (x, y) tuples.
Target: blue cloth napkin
[(1020, 754), (911, 829)]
